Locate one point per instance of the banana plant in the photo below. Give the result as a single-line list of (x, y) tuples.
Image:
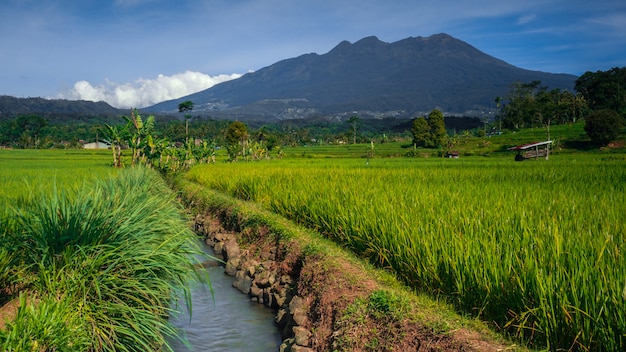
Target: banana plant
[(114, 135), (139, 133)]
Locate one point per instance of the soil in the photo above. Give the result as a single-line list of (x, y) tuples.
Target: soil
[(8, 307), (8, 311)]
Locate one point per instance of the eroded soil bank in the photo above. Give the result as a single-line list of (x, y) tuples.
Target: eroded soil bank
[(324, 298)]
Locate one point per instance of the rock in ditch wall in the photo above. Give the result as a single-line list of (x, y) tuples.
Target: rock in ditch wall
[(262, 277)]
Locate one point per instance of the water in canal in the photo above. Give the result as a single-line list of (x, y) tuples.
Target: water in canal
[(228, 321)]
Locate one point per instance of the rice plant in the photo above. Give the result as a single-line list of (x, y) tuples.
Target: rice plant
[(535, 247)]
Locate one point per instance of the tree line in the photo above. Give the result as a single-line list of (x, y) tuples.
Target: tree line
[(599, 98), (35, 131)]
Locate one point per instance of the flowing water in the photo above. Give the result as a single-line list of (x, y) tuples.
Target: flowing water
[(226, 321)]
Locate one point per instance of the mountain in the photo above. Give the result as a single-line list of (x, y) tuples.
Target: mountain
[(403, 78), (56, 109)]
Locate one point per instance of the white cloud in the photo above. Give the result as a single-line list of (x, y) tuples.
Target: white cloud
[(145, 92), (526, 19), (614, 21)]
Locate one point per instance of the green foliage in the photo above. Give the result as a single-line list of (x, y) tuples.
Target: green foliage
[(604, 126), (115, 137), (437, 126), (354, 122), (429, 132), (185, 106), (531, 104), (147, 149), (388, 305), (236, 135), (25, 131), (421, 132), (604, 90), (49, 325), (116, 252)]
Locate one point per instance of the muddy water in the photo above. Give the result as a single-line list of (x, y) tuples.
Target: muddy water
[(226, 321)]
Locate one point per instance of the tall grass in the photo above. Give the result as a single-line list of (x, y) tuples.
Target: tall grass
[(535, 247), (100, 262)]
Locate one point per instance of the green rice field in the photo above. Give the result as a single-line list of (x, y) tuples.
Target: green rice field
[(29, 172), (534, 247)]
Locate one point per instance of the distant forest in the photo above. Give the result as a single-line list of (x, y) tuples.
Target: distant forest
[(526, 105), (72, 131)]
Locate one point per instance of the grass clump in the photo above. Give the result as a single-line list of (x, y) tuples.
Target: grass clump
[(47, 325), (100, 266), (384, 304)]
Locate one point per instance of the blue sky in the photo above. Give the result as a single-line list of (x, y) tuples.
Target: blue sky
[(139, 52)]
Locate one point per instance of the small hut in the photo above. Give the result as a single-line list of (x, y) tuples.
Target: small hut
[(532, 150)]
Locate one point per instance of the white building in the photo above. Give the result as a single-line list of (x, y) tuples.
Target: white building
[(97, 145)]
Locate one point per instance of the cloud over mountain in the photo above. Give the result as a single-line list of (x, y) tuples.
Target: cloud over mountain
[(144, 92)]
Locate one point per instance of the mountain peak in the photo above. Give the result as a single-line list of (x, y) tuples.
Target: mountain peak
[(367, 42), (440, 37), (410, 76), (371, 40)]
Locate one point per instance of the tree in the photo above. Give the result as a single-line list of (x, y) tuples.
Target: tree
[(604, 89), (519, 108), (354, 121), (531, 104), (236, 135), (498, 101), (604, 126), (28, 128), (184, 107), (437, 126), (421, 132)]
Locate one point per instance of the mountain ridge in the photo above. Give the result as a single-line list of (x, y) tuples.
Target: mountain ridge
[(407, 77), (11, 107)]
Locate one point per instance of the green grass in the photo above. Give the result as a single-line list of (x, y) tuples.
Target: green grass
[(32, 172), (94, 257), (535, 247)]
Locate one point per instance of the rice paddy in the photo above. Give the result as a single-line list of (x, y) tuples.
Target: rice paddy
[(535, 247)]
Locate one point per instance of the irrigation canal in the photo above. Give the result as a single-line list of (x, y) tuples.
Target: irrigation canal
[(228, 321)]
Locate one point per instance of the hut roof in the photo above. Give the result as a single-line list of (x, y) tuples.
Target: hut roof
[(530, 145)]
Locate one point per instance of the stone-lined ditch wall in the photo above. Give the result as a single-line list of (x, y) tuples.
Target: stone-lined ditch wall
[(262, 272)]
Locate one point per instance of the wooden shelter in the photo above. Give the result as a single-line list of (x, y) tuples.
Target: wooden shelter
[(532, 150)]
